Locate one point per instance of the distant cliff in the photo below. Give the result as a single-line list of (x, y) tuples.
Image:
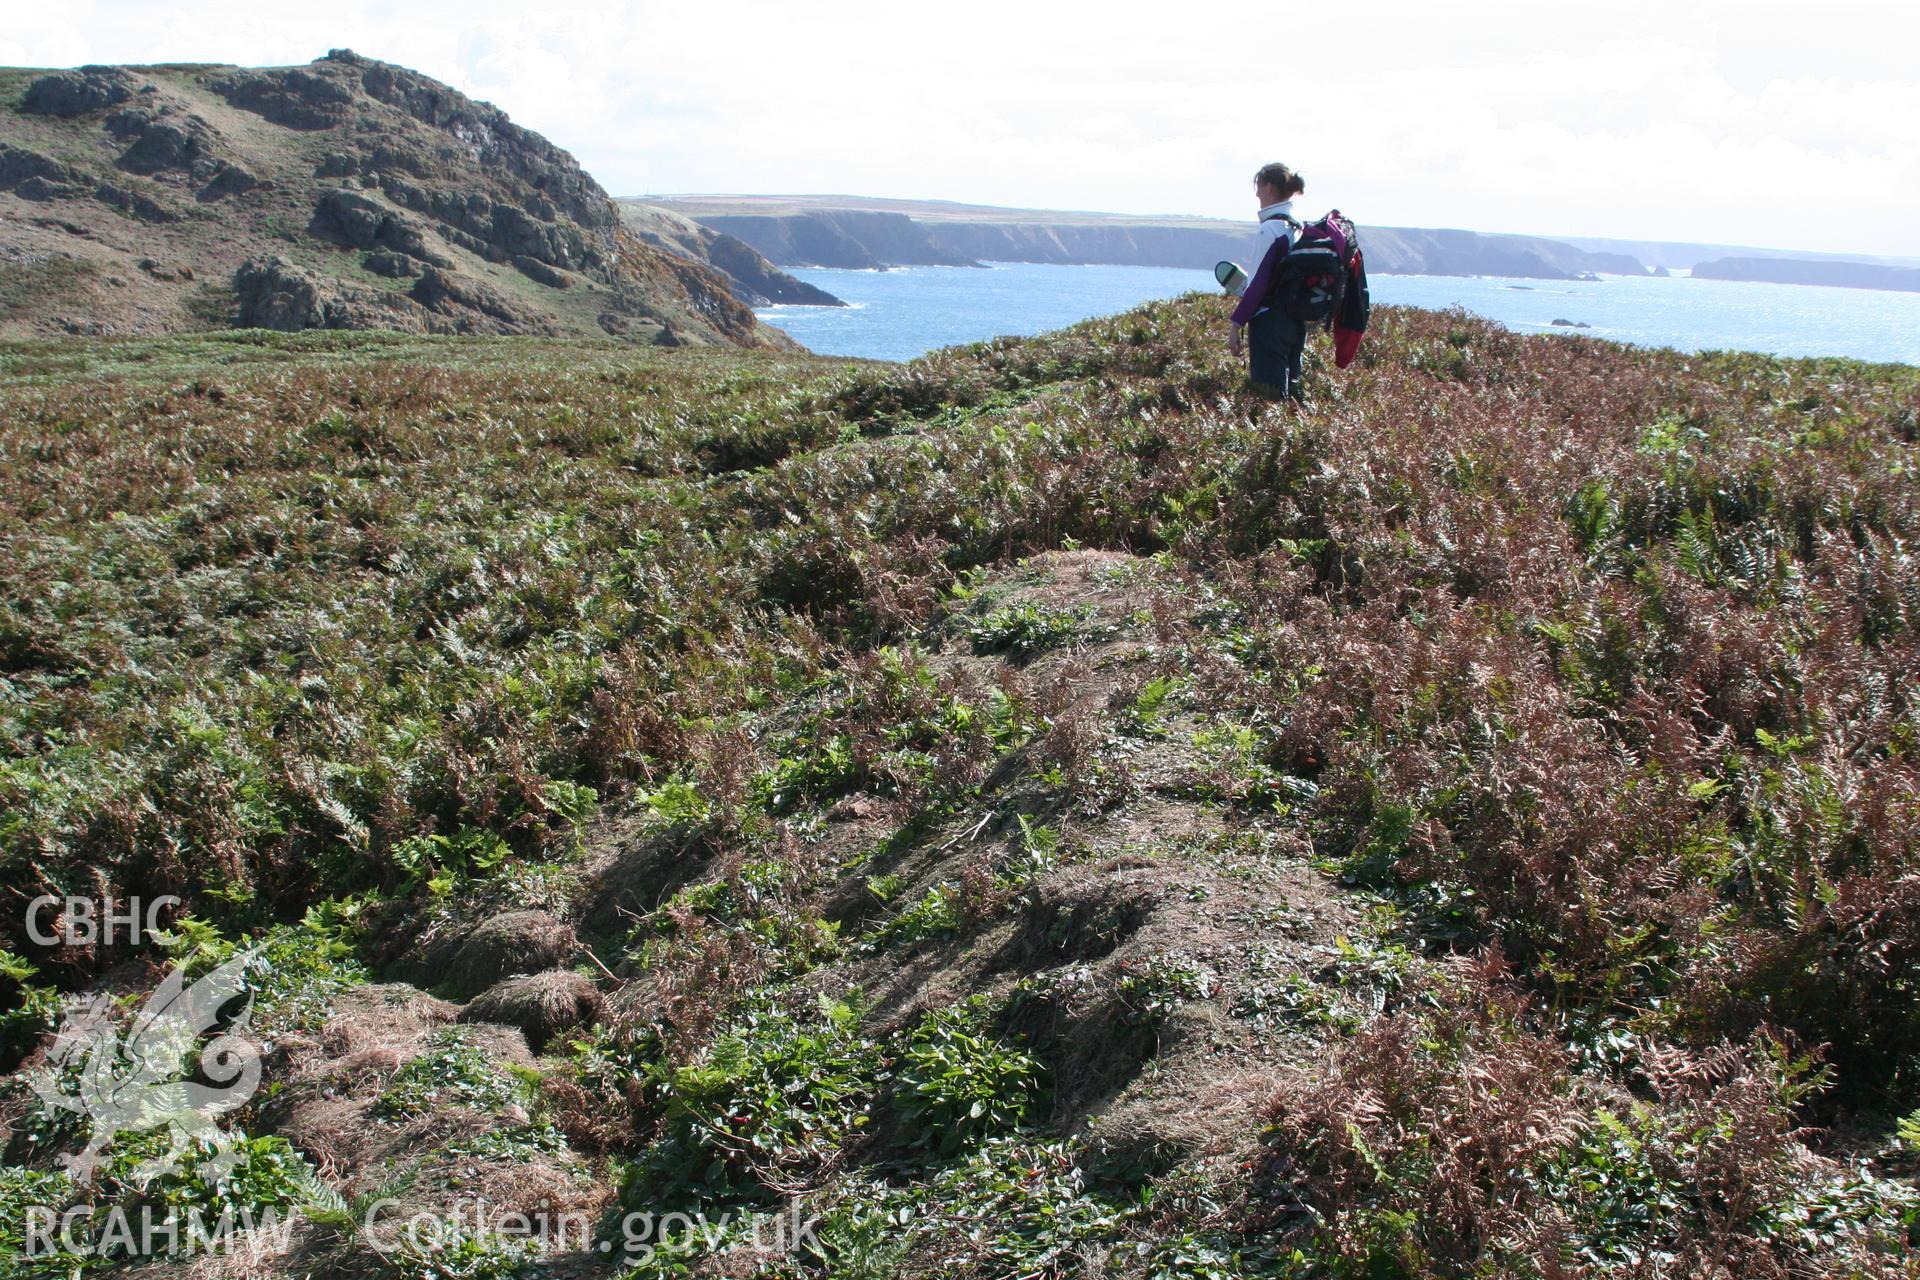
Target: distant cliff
[(1844, 275), (826, 236), (1415, 251), (1389, 250), (1144, 246), (849, 238)]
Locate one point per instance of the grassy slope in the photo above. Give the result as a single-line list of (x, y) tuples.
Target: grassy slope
[(1419, 833)]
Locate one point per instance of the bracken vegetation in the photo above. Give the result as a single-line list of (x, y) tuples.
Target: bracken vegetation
[(1037, 811)]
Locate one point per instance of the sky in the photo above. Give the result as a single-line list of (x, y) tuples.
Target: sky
[(1756, 122)]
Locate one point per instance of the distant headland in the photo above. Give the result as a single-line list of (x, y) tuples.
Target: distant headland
[(866, 233)]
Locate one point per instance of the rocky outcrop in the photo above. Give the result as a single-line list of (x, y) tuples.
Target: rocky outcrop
[(495, 229), (293, 97), (488, 138), (155, 144), (337, 164), (17, 165), (360, 222), (463, 299), (32, 176), (273, 293), (133, 203), (228, 179), (540, 272), (395, 266), (76, 92)]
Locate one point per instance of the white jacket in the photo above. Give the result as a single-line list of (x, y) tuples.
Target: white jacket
[(1274, 229)]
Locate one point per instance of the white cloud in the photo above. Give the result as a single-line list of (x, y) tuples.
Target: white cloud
[(1730, 122)]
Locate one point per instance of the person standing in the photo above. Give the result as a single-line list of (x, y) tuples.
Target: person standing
[(1275, 341)]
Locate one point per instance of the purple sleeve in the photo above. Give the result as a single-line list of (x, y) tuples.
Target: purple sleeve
[(1255, 293)]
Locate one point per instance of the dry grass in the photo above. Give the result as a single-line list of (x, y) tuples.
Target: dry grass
[(541, 1005)]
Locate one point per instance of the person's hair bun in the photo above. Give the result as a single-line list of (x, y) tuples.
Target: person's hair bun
[(1281, 179)]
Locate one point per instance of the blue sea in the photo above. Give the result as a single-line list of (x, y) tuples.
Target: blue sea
[(903, 312)]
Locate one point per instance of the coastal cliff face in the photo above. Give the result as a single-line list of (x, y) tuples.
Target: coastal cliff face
[(861, 239), (346, 194), (754, 280), (1844, 275), (1137, 246), (853, 239), (1416, 251)]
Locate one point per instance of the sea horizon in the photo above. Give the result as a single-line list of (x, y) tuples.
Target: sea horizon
[(903, 312)]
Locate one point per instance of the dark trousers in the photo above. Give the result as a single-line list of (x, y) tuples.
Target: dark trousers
[(1275, 343)]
